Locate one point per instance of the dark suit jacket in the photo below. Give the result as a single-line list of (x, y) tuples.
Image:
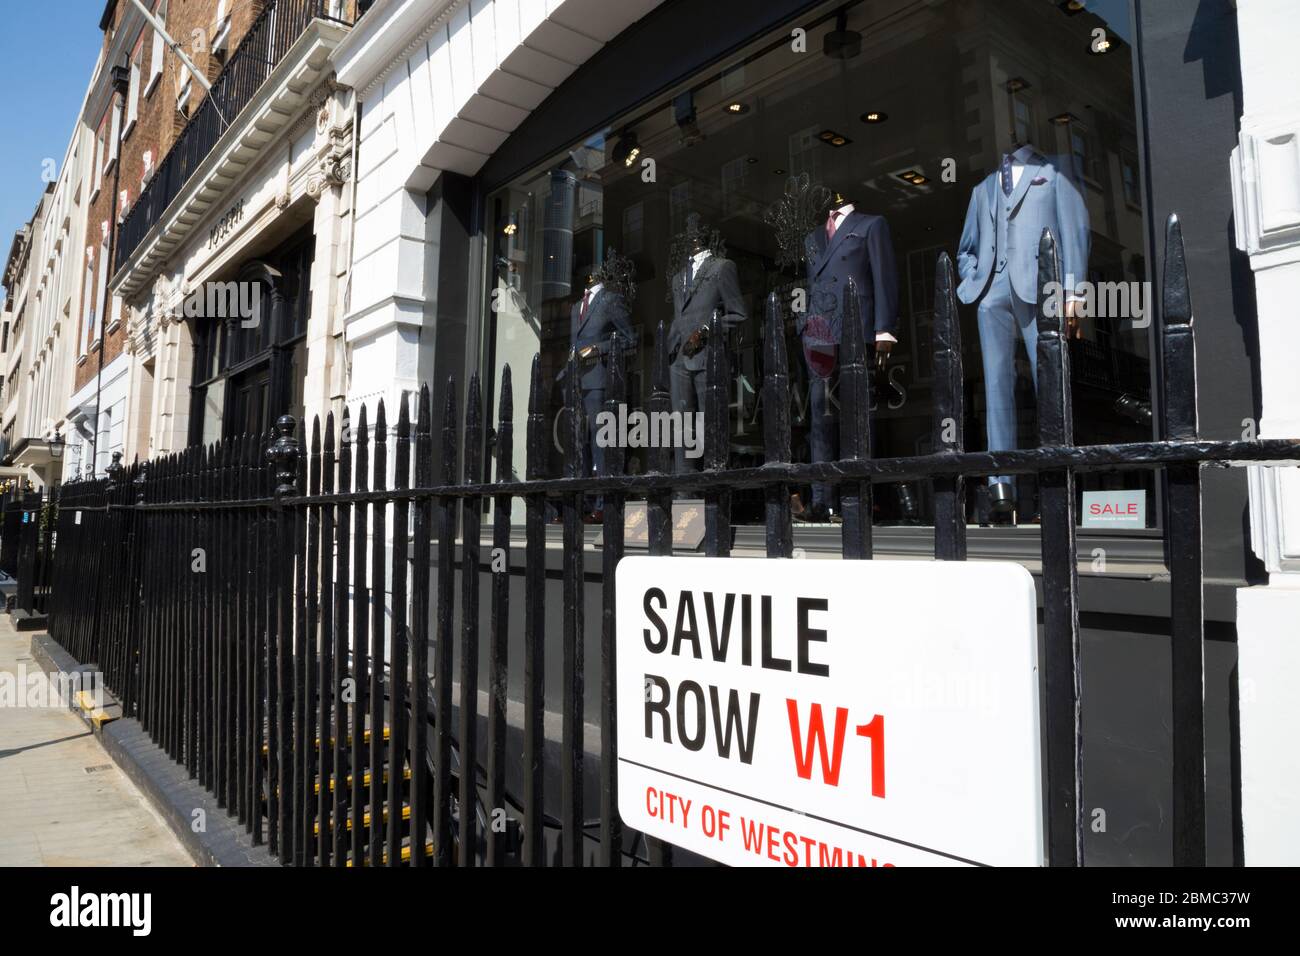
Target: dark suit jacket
[(861, 249), (715, 286), (606, 315)]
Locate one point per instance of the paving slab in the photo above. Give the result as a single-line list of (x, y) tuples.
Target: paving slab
[(63, 800)]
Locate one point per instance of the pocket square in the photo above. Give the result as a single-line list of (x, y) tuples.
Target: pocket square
[(1039, 181)]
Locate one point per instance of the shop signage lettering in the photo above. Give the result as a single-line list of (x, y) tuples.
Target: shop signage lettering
[(226, 224), (1115, 509), (830, 713)]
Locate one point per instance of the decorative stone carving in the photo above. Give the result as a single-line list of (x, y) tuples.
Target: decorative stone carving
[(335, 169)]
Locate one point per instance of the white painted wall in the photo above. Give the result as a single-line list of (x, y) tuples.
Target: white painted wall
[(1266, 191)]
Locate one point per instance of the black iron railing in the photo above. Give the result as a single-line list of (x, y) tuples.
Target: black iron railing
[(271, 35), (242, 599)]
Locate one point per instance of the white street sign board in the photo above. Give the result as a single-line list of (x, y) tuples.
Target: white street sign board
[(796, 713)]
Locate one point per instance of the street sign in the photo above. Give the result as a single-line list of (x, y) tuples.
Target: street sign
[(814, 713)]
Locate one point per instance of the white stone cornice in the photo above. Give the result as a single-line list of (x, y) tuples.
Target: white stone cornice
[(385, 38)]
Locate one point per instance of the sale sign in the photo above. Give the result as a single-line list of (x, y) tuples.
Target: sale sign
[(830, 713), (1115, 509)]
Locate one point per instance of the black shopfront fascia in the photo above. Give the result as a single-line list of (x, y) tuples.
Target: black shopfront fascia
[(1188, 86)]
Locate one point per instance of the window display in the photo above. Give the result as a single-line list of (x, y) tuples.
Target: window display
[(858, 144)]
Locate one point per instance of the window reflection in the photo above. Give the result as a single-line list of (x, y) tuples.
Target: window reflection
[(887, 134)]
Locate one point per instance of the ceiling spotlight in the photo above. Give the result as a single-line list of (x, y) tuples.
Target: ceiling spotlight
[(1065, 119), (1100, 47), (1072, 7), (832, 138), (737, 108), (913, 177), (1016, 84), (510, 229), (752, 160), (874, 116), (626, 150), (778, 171)]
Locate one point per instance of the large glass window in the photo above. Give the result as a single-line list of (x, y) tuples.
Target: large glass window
[(260, 320), (859, 143)]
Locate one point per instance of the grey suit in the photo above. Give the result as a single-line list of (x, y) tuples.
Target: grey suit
[(606, 315), (716, 285), (998, 263)]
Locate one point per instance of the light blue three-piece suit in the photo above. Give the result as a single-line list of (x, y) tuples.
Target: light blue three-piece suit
[(997, 261)]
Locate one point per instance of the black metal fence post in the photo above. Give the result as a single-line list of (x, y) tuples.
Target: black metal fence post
[(611, 827), (855, 428), (1060, 575), (535, 629), (1183, 521), (499, 625), (283, 455), (25, 595), (949, 416)]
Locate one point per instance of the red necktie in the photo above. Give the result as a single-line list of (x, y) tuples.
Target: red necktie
[(830, 224), (586, 299)]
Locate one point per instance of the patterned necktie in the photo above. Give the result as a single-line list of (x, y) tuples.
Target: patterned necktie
[(1006, 175), (830, 224)]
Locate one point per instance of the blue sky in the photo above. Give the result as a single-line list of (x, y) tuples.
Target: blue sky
[(47, 52)]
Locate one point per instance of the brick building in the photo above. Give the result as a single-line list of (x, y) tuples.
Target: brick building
[(132, 130), (248, 195)]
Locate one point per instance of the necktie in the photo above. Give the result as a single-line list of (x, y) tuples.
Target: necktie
[(586, 301), (830, 224), (1006, 175)]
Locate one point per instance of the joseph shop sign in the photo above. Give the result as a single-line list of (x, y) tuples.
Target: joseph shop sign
[(830, 713)]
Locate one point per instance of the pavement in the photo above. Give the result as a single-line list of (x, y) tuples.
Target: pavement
[(63, 801)]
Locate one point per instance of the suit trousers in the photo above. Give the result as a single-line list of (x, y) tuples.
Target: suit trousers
[(1003, 318), (687, 386)]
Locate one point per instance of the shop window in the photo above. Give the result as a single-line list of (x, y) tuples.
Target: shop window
[(114, 134), (1129, 173), (247, 366), (156, 49), (721, 191), (1022, 113), (133, 89)]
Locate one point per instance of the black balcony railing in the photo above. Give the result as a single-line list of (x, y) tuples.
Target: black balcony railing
[(274, 31)]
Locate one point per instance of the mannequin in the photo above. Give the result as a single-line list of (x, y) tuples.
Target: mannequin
[(847, 244), (997, 261), (707, 281), (600, 313)]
